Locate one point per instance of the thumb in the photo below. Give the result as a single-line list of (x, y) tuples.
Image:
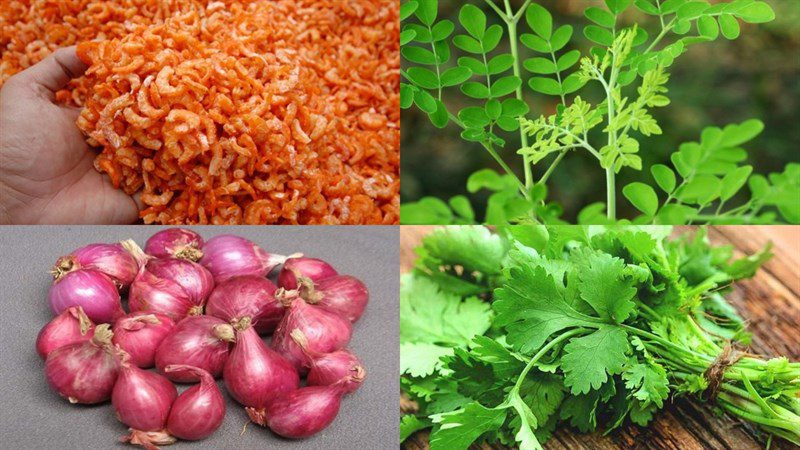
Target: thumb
[(55, 71)]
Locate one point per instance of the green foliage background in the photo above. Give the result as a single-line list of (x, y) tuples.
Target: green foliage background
[(754, 76)]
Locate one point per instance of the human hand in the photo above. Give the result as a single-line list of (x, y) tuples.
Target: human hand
[(46, 167)]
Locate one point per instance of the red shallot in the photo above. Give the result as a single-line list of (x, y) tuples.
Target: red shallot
[(199, 341), (246, 296), (305, 411), (331, 368), (139, 334), (115, 260), (175, 243), (142, 400), (199, 410), (90, 289), (325, 332), (70, 327), (84, 372), (174, 287), (342, 294), (311, 268), (227, 256), (254, 374)]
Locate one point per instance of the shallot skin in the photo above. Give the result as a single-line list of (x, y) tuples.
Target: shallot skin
[(140, 334), (199, 341), (342, 294), (175, 243), (254, 373), (94, 291), (70, 327), (325, 332), (312, 268), (142, 399), (174, 287), (227, 256), (84, 372), (246, 296), (199, 410), (111, 259), (341, 367), (304, 412)]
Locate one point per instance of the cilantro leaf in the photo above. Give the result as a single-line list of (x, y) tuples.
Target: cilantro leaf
[(410, 424), (458, 429), (588, 360), (532, 308), (604, 286), (427, 314), (420, 359), (462, 259), (649, 383)]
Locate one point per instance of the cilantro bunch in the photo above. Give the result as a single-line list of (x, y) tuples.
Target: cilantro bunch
[(504, 58), (506, 336)]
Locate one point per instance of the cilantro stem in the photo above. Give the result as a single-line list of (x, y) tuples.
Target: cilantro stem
[(543, 351)]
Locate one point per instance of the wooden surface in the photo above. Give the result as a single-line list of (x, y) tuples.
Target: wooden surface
[(770, 302)]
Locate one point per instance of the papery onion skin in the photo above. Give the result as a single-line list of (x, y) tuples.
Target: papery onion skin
[(254, 374), (175, 287), (111, 259), (142, 399), (84, 372), (93, 291), (70, 327), (342, 294), (139, 335), (199, 410), (312, 268), (247, 296), (199, 341), (325, 332), (304, 412), (227, 256), (175, 243)]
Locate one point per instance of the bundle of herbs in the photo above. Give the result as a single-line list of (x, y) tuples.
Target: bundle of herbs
[(507, 335)]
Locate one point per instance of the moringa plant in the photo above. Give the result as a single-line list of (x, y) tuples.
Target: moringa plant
[(631, 64)]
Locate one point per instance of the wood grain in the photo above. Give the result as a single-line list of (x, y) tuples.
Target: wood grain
[(770, 302)]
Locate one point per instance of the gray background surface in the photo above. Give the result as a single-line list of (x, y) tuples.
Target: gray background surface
[(34, 417)]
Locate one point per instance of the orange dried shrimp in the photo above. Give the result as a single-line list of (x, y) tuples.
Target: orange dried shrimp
[(235, 112)]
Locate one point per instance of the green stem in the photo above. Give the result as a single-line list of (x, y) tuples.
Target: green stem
[(543, 351), (488, 146), (552, 167), (511, 23)]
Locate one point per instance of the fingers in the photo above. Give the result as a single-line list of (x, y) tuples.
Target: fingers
[(55, 71)]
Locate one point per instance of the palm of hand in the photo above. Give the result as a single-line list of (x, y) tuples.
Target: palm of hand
[(46, 167)]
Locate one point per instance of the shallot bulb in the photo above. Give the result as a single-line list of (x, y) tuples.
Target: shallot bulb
[(173, 287), (325, 332), (312, 268), (199, 341), (199, 410), (246, 296), (254, 374), (305, 411), (139, 334), (142, 401), (227, 256), (84, 372), (340, 366), (90, 289), (175, 243), (115, 260), (342, 294), (70, 327)]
